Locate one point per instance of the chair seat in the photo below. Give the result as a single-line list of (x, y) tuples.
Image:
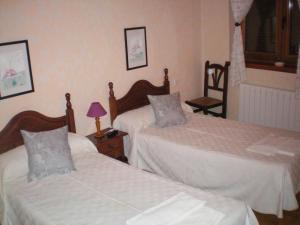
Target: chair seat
[(204, 102)]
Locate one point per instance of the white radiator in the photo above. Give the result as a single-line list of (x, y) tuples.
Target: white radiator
[(269, 107)]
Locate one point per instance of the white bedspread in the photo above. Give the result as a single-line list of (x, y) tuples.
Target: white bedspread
[(104, 191), (210, 153)]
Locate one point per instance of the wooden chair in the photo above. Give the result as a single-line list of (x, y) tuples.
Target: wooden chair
[(215, 72)]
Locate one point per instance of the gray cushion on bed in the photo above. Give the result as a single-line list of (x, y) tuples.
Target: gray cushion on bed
[(48, 153), (167, 110)]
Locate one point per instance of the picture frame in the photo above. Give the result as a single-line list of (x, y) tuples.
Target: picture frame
[(136, 47), (15, 69)]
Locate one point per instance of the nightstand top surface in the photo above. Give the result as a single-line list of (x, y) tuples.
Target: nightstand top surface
[(105, 138)]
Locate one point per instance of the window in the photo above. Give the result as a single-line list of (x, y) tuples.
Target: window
[(271, 33)]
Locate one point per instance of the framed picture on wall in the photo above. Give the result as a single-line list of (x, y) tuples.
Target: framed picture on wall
[(15, 69), (136, 47)]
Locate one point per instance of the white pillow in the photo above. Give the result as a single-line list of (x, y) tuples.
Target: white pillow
[(79, 144), (13, 164), (135, 120), (186, 107)]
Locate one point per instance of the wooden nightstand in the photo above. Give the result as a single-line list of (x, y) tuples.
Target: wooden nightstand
[(112, 147)]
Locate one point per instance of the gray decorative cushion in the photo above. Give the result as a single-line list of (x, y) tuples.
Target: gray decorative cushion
[(167, 110), (48, 153)]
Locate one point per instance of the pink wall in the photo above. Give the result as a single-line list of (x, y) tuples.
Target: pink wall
[(78, 47)]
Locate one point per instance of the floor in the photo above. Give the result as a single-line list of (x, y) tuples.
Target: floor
[(289, 218)]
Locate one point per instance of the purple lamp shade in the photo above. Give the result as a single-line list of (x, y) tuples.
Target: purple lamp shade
[(96, 110)]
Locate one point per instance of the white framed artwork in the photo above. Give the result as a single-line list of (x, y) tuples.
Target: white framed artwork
[(15, 69), (136, 47)]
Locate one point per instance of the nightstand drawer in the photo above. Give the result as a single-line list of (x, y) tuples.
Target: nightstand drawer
[(111, 147), (114, 154)]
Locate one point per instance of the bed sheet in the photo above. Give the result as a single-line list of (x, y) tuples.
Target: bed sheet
[(210, 153), (104, 191)]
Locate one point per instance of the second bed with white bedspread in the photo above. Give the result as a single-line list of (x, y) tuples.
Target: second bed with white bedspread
[(212, 154)]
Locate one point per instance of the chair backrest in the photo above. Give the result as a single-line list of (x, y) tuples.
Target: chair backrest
[(215, 72)]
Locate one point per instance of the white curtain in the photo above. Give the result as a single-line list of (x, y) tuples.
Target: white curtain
[(240, 8), (298, 70)]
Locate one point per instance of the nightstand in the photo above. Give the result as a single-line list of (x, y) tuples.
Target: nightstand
[(112, 147)]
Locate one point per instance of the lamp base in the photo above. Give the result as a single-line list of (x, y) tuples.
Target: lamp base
[(99, 132), (99, 135)]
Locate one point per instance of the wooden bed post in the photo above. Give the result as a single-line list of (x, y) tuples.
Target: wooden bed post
[(70, 114), (112, 102), (166, 80)]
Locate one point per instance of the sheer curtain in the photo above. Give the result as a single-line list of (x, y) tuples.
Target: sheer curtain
[(240, 8), (298, 69)]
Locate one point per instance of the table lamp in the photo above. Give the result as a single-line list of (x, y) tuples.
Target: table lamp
[(96, 110)]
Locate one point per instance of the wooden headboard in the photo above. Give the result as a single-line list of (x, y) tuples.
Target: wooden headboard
[(136, 96), (10, 136)]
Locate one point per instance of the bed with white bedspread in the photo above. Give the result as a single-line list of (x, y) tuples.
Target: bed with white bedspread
[(258, 165), (210, 153), (102, 191)]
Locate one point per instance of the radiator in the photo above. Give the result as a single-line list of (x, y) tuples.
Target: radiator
[(269, 107)]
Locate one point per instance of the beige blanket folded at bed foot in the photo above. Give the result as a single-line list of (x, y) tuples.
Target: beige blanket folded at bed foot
[(273, 144), (181, 209)]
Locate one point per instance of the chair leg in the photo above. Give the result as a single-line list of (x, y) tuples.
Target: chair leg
[(198, 109), (205, 111), (223, 112)]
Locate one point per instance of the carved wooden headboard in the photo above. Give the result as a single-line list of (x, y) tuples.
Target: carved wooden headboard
[(10, 136), (136, 96)]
